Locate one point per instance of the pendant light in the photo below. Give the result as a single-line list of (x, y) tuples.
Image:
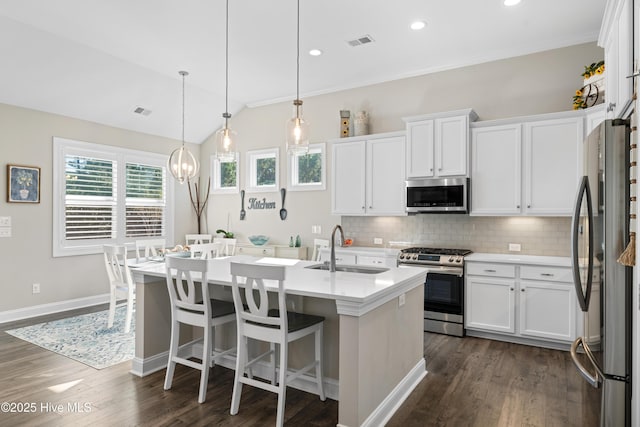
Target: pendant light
[(297, 128), (225, 146), (182, 163)]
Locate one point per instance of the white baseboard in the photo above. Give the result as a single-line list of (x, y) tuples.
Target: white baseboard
[(54, 307), (385, 410)]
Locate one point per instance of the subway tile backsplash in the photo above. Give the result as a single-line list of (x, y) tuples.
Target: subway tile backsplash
[(548, 236)]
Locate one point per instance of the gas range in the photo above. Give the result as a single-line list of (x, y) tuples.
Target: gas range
[(433, 256)]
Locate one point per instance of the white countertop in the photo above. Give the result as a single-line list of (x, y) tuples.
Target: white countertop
[(556, 261), (354, 293)]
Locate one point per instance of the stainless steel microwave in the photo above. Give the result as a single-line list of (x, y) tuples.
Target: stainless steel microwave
[(435, 195)]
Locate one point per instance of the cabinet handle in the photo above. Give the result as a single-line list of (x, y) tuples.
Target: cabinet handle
[(370, 207), (522, 290), (611, 107), (518, 207), (528, 206), (511, 289), (547, 274), (489, 271), (439, 169), (430, 169), (264, 251), (633, 75)]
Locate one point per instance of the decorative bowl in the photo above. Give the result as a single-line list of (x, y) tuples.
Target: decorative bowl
[(259, 239)]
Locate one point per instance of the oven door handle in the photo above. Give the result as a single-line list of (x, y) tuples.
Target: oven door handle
[(453, 271)]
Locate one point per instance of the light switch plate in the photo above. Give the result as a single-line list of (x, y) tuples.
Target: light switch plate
[(514, 247), (377, 241), (5, 221), (5, 231)]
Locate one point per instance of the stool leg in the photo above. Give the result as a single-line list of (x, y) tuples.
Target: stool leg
[(241, 360), (319, 376), (282, 387), (206, 362), (173, 352), (112, 308)]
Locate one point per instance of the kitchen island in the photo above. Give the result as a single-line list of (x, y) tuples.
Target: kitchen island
[(373, 342)]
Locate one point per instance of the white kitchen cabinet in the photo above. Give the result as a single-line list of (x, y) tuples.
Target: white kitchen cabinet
[(526, 165), (368, 175), (616, 37), (595, 116), (496, 170), (525, 303), (277, 251), (360, 255), (437, 144), (552, 165), (490, 304)]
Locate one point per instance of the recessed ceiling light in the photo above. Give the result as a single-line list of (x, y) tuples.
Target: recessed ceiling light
[(418, 25), (511, 2), (315, 52)]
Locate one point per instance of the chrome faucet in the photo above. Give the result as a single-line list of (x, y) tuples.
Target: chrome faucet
[(332, 266)]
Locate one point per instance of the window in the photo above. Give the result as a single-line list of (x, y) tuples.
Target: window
[(106, 195), (308, 171), (262, 170), (224, 176)]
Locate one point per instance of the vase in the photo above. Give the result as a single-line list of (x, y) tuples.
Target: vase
[(361, 123), (24, 193)]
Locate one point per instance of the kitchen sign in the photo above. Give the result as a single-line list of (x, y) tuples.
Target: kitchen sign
[(255, 203)]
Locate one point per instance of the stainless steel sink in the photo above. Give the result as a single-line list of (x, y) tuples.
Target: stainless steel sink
[(350, 268)]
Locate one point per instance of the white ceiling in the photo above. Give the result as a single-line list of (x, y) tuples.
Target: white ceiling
[(98, 60)]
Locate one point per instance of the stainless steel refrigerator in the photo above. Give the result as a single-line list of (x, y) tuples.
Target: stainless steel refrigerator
[(603, 286)]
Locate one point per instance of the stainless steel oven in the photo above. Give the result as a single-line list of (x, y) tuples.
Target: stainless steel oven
[(435, 195), (443, 287)]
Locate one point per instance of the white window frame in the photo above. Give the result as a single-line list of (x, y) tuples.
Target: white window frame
[(122, 156), (292, 175), (252, 158), (217, 182)]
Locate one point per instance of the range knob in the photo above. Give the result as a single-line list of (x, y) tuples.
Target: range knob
[(459, 260), (415, 257), (450, 259)]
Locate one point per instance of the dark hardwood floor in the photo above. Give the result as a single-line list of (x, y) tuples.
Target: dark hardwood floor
[(471, 382)]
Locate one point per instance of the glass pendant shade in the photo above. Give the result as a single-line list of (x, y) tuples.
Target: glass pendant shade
[(297, 131), (225, 144), (183, 165)]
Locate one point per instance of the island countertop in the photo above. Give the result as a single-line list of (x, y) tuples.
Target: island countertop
[(355, 293)]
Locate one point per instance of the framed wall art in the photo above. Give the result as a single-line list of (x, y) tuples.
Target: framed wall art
[(23, 184)]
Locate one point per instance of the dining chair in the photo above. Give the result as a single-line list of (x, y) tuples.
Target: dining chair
[(254, 320), (120, 282), (317, 245), (149, 248), (196, 239), (205, 250), (229, 245), (192, 305)]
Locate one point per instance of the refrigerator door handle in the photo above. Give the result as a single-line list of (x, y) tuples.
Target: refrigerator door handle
[(592, 379), (584, 295)]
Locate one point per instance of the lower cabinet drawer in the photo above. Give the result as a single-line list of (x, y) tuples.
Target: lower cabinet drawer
[(377, 261), (255, 250), (494, 270), (551, 274)]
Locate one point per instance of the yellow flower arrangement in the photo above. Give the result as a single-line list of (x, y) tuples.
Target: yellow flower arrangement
[(580, 101)]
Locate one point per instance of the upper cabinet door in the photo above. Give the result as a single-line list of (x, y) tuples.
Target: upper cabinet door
[(348, 183), (452, 139), (495, 170), (385, 173), (420, 160), (616, 38), (552, 165)]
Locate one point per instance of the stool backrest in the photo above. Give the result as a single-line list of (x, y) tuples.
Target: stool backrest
[(149, 247), (115, 261), (197, 239), (257, 311), (183, 291), (206, 250)]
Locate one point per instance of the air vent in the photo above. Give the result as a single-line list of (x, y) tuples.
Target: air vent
[(143, 111), (360, 40)]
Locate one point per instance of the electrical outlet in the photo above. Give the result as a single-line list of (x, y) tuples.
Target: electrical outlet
[(5, 221), (401, 300), (316, 229), (514, 247), (377, 241), (35, 288)]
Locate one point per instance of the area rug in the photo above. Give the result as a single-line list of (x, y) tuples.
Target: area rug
[(84, 338)]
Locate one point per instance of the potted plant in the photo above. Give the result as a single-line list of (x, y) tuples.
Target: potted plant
[(225, 234)]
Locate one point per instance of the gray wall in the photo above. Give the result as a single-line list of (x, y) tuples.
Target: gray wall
[(25, 258), (532, 84)]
